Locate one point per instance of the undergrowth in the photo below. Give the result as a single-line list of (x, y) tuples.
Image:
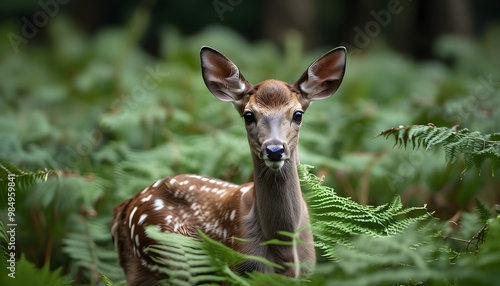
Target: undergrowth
[(387, 243), (474, 146)]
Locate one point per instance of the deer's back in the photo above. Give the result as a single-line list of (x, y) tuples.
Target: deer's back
[(180, 204)]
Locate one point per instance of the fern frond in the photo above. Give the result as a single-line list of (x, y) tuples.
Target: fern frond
[(27, 274), (4, 241), (410, 256), (191, 261), (336, 219), (482, 268), (484, 212), (84, 246), (106, 280), (203, 261), (273, 279), (23, 178), (474, 147)]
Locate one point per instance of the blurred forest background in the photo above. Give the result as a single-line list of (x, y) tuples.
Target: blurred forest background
[(107, 97)]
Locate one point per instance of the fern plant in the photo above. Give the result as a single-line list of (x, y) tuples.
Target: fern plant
[(190, 261), (474, 146), (28, 274), (336, 219), (89, 248), (25, 272), (23, 178)]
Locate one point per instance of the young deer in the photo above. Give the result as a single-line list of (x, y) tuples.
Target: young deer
[(256, 212)]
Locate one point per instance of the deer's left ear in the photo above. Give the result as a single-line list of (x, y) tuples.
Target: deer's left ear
[(323, 77)]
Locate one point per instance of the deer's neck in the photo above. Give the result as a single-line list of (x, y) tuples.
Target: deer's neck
[(277, 198)]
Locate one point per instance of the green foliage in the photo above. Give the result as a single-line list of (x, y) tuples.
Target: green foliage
[(336, 219), (415, 257), (25, 273), (483, 267), (88, 247), (473, 145), (189, 261), (28, 274), (4, 252), (23, 178)]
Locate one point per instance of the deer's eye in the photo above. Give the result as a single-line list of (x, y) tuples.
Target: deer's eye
[(249, 117), (297, 116)]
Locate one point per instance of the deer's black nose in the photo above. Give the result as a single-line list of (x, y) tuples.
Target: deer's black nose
[(275, 152)]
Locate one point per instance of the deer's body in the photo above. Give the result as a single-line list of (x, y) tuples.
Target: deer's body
[(255, 212)]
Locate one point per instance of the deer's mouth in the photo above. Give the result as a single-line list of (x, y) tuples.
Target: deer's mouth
[(275, 165)]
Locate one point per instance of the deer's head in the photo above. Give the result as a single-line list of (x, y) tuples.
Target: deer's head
[(272, 110)]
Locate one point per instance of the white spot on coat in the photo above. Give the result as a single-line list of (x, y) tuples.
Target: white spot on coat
[(132, 231), (158, 204), (137, 240), (232, 215), (131, 216), (157, 183), (146, 198), (245, 189), (177, 226), (168, 219), (142, 218)]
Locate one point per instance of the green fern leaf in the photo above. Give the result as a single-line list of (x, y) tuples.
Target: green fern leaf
[(4, 242), (83, 245), (22, 178), (27, 274), (452, 151), (482, 268), (474, 147), (336, 219), (484, 212), (191, 261)]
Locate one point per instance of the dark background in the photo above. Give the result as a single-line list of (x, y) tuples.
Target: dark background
[(320, 22)]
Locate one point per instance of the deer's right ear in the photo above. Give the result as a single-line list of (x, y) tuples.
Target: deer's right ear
[(323, 77), (222, 76)]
